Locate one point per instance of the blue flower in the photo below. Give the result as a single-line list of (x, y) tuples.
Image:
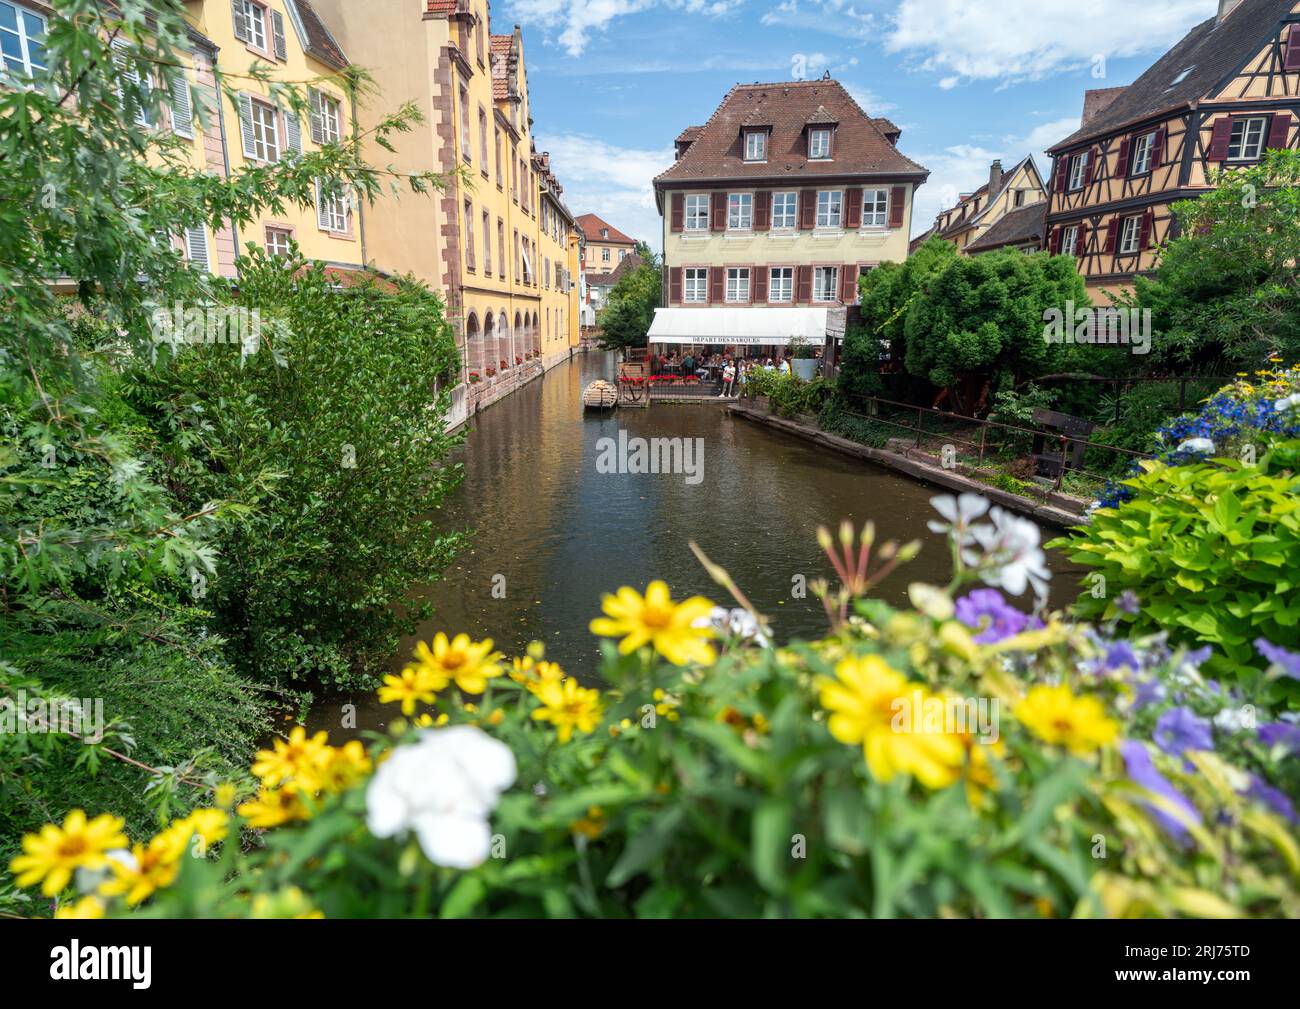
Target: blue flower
[(986, 611), (1142, 770), (1288, 663), (1262, 792), (1150, 691), (1128, 602), (1180, 729), (1283, 734), (1121, 654)]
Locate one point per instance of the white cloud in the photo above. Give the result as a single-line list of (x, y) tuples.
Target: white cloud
[(572, 22), (963, 168), (614, 182), (1030, 39), (843, 18)]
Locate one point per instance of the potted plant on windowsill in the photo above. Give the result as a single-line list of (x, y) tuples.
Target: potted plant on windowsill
[(803, 359), (474, 378)]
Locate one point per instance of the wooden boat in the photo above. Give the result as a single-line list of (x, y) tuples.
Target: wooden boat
[(600, 395)]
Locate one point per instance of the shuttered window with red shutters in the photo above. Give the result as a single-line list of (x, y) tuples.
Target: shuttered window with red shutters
[(853, 209), (1148, 227), (679, 211), (1158, 149), (803, 285), (717, 281), (719, 211), (848, 283), (762, 210), (1279, 131), (807, 209), (758, 278), (1292, 59), (1121, 165), (1112, 235), (1220, 138), (1062, 170), (1090, 171), (897, 204), (1081, 243), (675, 285)]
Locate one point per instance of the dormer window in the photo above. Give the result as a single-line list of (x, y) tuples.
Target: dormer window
[(819, 144), (1182, 76), (755, 145)]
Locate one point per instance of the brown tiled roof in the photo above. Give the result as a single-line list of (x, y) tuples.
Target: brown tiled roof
[(860, 147), (441, 6), (887, 128), (1098, 100), (626, 265), (960, 223), (320, 43), (1211, 53), (592, 225), (920, 240), (690, 133), (502, 51), (1016, 228)]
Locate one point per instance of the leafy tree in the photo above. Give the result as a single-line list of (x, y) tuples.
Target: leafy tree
[(627, 316), (1226, 296)]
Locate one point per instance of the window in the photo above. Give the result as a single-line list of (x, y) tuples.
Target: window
[(781, 286), (501, 182), (501, 245), (785, 209), (738, 284), (253, 17), (277, 241), (1182, 76), (829, 204), (604, 255), (1130, 240), (819, 145), (875, 208), (469, 235), (1070, 240), (1078, 166), (464, 124), (695, 286), (604, 232), (1142, 149), (697, 213), (326, 119), (756, 146), (621, 254), (265, 133), (482, 142), (487, 244), (740, 211), (826, 281), (21, 32), (331, 211), (1247, 142), (1020, 197)]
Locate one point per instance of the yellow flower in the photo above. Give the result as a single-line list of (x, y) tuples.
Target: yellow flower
[(412, 685), (225, 794), (590, 826), (273, 807), (867, 701), (567, 705), (424, 720), (300, 759), (1056, 716), (290, 902), (469, 663), (209, 824), (151, 867), (56, 852), (656, 620), (347, 765), (666, 704), (87, 907)]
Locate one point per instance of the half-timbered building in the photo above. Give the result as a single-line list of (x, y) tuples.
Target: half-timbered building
[(1226, 93)]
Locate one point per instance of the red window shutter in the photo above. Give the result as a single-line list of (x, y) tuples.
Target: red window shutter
[(719, 208), (803, 285), (1112, 235), (854, 219), (807, 209), (1148, 224), (897, 204), (1062, 172), (1091, 168), (848, 283), (717, 285), (1279, 131), (1220, 139), (762, 211), (1158, 148), (1054, 243), (1292, 59), (1121, 166), (758, 276), (679, 211), (1081, 242), (675, 285)]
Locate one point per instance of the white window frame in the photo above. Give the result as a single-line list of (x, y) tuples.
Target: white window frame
[(830, 208), (329, 113), (1130, 235), (265, 121), (1078, 166), (820, 275), (780, 285), (274, 248), (1070, 240), (819, 144), (25, 39), (1241, 142), (788, 218), (696, 212), (605, 255), (738, 283), (756, 145), (331, 212), (255, 19), (1143, 149), (878, 216), (740, 211), (695, 285)]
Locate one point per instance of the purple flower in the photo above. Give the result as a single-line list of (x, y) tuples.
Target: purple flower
[(1262, 792), (986, 611), (1180, 729), (1148, 692), (1280, 734), (1120, 654), (1288, 662), (1128, 602), (1143, 771)]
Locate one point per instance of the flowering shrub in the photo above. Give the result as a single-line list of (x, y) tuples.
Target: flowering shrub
[(949, 759)]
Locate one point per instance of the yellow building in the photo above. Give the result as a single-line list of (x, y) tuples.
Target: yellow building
[(289, 36), (498, 241), (975, 214)]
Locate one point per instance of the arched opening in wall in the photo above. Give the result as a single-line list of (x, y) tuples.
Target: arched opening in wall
[(505, 339), (537, 331), (521, 325), (473, 346), (489, 345)]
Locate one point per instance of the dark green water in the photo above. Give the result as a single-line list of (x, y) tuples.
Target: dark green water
[(555, 533)]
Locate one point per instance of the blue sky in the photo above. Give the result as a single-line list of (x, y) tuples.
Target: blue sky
[(614, 81)]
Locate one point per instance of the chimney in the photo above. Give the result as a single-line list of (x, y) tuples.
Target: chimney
[(1226, 7), (995, 179)]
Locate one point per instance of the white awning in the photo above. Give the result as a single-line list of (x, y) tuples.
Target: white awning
[(739, 327)]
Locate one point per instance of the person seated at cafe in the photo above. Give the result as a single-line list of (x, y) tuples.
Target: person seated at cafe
[(783, 366)]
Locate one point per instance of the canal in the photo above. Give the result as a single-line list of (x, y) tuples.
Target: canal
[(552, 532)]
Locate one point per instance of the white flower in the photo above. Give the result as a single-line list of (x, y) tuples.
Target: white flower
[(443, 788), (1287, 402), (1012, 558), (1201, 446), (960, 512), (88, 880), (1236, 719), (737, 623)]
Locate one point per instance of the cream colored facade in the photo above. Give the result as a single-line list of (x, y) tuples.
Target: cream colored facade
[(1004, 193)]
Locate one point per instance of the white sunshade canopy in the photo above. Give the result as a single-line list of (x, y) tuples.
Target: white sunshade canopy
[(739, 327)]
